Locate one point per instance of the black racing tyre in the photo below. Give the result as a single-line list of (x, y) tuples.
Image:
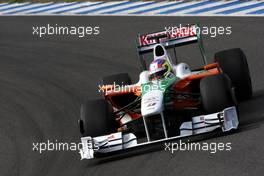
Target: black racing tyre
[(233, 62), (96, 118), (216, 93), (119, 79)]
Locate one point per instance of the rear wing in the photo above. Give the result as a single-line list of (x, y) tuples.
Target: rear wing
[(170, 38)]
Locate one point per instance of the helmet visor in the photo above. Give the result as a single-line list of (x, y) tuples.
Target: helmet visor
[(158, 75)]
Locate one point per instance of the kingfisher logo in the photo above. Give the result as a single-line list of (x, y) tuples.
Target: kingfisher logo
[(182, 32), (169, 33)]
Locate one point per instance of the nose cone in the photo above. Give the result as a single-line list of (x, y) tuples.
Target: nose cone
[(152, 103), (159, 52)]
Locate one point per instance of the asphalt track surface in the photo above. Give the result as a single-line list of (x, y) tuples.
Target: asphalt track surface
[(43, 81)]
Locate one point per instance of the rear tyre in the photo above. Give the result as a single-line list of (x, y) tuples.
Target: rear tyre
[(97, 118), (233, 62), (118, 79), (216, 93)]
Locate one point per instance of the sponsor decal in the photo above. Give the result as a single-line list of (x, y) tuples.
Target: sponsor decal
[(171, 33)]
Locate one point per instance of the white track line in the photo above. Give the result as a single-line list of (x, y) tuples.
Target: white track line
[(231, 7), (13, 5), (173, 7), (248, 10), (95, 7), (140, 15), (120, 7), (26, 7), (145, 7), (154, 6), (82, 4), (216, 3), (43, 8)]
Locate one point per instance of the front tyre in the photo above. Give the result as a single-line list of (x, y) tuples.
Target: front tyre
[(96, 119), (233, 62), (216, 93)]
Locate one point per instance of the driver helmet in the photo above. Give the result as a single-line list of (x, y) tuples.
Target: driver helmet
[(159, 69)]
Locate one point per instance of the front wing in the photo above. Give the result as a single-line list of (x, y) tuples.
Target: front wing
[(225, 120)]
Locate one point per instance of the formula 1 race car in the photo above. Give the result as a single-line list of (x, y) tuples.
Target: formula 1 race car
[(169, 101)]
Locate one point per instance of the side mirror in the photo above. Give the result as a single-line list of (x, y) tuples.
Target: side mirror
[(144, 77), (80, 124)]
